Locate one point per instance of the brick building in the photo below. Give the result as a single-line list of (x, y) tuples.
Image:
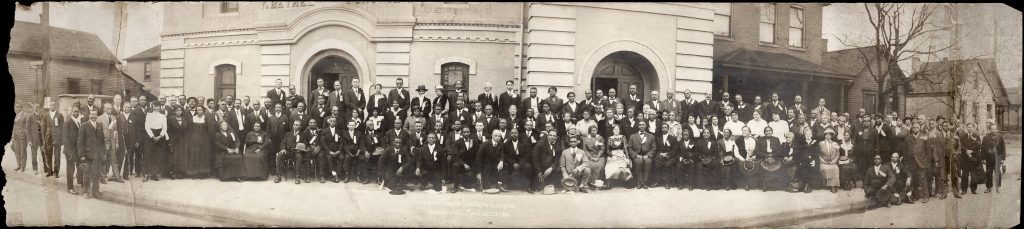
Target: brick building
[(144, 67), (760, 48), (216, 49), (863, 92), (80, 64)]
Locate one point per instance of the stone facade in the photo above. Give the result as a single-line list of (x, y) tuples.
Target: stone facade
[(537, 44)]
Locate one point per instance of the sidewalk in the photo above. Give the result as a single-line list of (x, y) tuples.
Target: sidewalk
[(316, 205)]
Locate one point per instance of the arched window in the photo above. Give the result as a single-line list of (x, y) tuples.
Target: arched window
[(452, 72), (225, 80)]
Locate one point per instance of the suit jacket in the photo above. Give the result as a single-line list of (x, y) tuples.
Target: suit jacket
[(432, 161), (90, 142), (517, 152), (917, 152), (487, 100), (336, 98), (277, 97), (640, 147), (505, 100), (884, 176), (354, 99), (351, 142), (577, 112), (70, 141), (301, 116), (390, 136), (526, 103), (277, 126), (331, 142), (546, 155), (395, 158), (423, 104), (54, 128), (446, 123), (668, 105), (463, 154), (768, 142), (628, 102), (290, 140), (295, 100), (391, 115), (488, 155), (993, 145), (400, 95), (568, 161)]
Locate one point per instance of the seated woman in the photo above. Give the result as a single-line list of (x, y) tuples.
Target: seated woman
[(229, 160), (618, 164), (257, 145)]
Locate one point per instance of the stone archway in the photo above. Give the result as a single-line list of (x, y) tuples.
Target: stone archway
[(330, 65), (622, 69), (652, 70)]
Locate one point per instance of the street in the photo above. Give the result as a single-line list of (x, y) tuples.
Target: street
[(50, 205)]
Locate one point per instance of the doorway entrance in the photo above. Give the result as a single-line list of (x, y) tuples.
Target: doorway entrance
[(619, 70), (331, 66)]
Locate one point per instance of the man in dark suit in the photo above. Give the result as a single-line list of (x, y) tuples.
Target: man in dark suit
[(397, 133), (633, 98), (299, 114), (277, 95), (431, 163), (993, 151), (355, 154), (277, 126), (91, 154), (434, 120), (462, 150), (798, 106), (572, 107), (400, 94), (395, 165), (487, 98), (878, 180), (70, 143), (337, 98), (921, 161), (902, 172), (288, 149), (937, 144), (332, 151), (641, 149), (238, 121), (532, 102), (137, 121), (52, 125), (517, 155), (393, 114), (545, 161), (653, 103), (746, 111), (292, 96), (508, 98), (354, 98), (670, 104), (490, 161)]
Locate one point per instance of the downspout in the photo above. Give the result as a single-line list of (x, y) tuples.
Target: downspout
[(522, 40)]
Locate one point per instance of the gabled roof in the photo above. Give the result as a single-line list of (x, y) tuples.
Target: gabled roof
[(745, 58), (28, 38), (151, 53), (988, 76), (852, 62)]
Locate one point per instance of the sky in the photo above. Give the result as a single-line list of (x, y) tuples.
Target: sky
[(846, 21), (142, 24)]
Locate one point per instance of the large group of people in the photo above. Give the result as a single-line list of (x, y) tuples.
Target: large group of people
[(451, 141)]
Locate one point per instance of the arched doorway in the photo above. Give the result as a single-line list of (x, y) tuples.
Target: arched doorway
[(330, 65), (621, 69)]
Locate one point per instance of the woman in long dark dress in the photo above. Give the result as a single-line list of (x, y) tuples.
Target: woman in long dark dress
[(178, 130), (257, 145), (154, 155), (199, 144), (228, 161)]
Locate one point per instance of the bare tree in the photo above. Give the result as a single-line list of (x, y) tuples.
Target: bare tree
[(901, 32)]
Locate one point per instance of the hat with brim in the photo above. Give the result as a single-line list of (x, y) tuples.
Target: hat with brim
[(830, 131), (301, 147), (569, 184), (421, 88), (491, 191), (397, 192)]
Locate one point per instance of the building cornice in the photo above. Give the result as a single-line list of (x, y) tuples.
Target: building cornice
[(210, 32)]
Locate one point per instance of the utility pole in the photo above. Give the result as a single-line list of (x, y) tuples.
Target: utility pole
[(44, 19)]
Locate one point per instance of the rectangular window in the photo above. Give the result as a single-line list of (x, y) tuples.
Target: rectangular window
[(988, 108), (97, 87), (870, 102), (74, 86), (796, 27), (975, 111), (767, 23), (229, 7), (148, 71), (723, 16)]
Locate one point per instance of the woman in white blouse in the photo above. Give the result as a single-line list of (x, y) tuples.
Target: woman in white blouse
[(757, 125), (584, 124), (779, 127), (155, 149)]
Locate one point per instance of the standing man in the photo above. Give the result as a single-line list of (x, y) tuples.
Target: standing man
[(922, 161), (508, 98), (137, 127), (292, 96), (399, 94), (572, 107), (123, 137), (53, 123), (993, 153), (70, 148), (533, 102), (798, 106), (938, 143), (654, 104), (632, 99), (108, 125), (336, 98), (90, 154), (669, 104), (487, 98), (277, 95), (355, 98)]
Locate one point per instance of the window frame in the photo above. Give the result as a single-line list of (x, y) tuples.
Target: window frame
[(774, 22), (224, 6), (96, 86), (444, 76), (147, 71), (803, 25), (872, 106), (219, 85), (77, 85)]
